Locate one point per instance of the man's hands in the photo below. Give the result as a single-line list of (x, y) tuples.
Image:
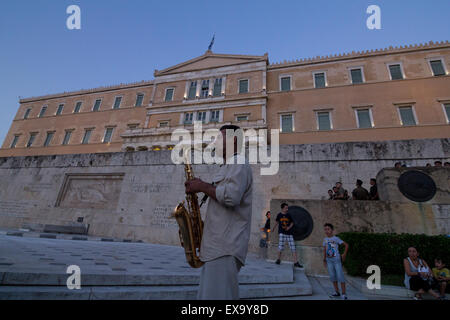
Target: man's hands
[(194, 186)]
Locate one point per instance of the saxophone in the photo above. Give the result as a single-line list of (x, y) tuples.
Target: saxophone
[(190, 223)]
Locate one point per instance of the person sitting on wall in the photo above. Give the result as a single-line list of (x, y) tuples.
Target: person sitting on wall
[(397, 165), (360, 193), (340, 193), (438, 163), (373, 193), (330, 195), (335, 193), (286, 223), (418, 275), (447, 164), (441, 275)]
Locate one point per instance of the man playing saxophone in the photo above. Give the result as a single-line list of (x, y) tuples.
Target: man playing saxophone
[(226, 230)]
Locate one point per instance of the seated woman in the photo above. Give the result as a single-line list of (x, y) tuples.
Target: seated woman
[(418, 275)]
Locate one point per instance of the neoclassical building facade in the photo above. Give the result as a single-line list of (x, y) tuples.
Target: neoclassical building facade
[(377, 95)]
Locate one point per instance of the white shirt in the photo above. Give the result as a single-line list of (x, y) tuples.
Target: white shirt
[(227, 223)]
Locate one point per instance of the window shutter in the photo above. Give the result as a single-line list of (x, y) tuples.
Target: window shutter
[(286, 123), (396, 72), (324, 120), (364, 119), (407, 116), (285, 84), (320, 80), (438, 68), (356, 76)]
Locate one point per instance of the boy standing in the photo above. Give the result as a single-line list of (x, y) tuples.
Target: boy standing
[(442, 275), (332, 260), (285, 223)]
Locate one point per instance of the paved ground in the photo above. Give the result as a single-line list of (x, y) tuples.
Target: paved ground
[(41, 261)]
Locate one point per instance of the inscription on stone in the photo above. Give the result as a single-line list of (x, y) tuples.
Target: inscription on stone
[(14, 209), (37, 187), (161, 217), (150, 188)]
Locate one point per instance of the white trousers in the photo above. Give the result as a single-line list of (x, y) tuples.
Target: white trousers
[(219, 279)]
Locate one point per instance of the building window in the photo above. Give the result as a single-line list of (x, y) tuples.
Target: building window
[(205, 89), (217, 91), (215, 114), (241, 118), (437, 67), (201, 116), (108, 135), (43, 110), (97, 104), (60, 109), (188, 118), (49, 138), (169, 94), (364, 118), (163, 124), (77, 107), (357, 75), (447, 111), (27, 113), (243, 86), (87, 136), (396, 72), (67, 136), (139, 99), (286, 123), (14, 142), (320, 80), (285, 83), (117, 102), (31, 140), (407, 116), (192, 90), (323, 120)]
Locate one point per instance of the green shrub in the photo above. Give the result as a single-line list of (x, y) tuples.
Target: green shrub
[(388, 250)]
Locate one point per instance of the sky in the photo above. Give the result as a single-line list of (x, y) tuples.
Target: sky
[(124, 41)]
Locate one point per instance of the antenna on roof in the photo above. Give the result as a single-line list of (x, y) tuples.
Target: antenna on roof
[(212, 42)]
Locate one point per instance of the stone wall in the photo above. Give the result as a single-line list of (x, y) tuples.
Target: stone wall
[(131, 195), (360, 216)]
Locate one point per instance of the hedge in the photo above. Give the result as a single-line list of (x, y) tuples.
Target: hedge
[(387, 250)]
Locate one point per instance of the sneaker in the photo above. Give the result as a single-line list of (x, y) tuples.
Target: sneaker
[(344, 297), (298, 265), (417, 297), (334, 295), (278, 261)]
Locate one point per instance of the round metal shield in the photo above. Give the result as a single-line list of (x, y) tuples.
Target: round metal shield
[(416, 186), (303, 222)]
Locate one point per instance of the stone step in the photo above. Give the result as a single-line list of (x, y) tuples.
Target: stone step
[(255, 272), (299, 287)]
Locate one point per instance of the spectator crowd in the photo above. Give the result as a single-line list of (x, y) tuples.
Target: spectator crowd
[(359, 193)]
